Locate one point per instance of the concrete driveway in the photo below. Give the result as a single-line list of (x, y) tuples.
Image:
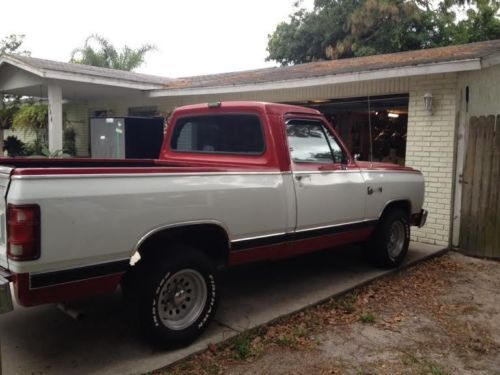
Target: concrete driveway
[(43, 340)]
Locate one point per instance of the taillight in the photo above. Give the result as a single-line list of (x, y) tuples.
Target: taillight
[(23, 232)]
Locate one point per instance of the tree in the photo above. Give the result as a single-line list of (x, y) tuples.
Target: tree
[(12, 43), (106, 55), (9, 104), (482, 23), (349, 28)]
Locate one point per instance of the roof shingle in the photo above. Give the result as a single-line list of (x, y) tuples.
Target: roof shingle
[(342, 66)]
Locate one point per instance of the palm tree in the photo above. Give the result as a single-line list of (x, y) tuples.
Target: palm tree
[(107, 56)]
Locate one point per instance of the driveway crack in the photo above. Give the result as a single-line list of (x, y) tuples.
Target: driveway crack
[(227, 326)]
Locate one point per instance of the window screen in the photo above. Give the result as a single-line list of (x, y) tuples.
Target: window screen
[(233, 134)]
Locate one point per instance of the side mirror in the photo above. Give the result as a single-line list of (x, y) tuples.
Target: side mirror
[(357, 156)]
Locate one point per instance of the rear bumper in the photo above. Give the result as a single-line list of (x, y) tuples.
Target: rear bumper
[(419, 219), (5, 294)]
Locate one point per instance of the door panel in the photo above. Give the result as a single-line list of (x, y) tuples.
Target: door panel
[(329, 191), (329, 197)]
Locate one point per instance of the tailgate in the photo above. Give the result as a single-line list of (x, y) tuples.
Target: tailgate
[(4, 185)]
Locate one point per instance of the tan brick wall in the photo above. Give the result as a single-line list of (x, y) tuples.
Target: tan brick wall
[(430, 148), (24, 137), (77, 118)]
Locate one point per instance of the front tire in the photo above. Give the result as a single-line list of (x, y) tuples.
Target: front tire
[(177, 297), (391, 239)]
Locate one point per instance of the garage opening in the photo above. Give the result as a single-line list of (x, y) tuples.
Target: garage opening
[(373, 128)]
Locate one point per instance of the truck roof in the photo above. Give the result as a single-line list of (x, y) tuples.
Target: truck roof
[(274, 108)]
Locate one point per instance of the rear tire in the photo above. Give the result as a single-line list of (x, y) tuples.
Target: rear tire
[(391, 239), (177, 296)]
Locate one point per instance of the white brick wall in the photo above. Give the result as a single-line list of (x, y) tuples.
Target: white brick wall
[(430, 148)]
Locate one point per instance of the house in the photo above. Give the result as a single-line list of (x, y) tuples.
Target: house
[(411, 108)]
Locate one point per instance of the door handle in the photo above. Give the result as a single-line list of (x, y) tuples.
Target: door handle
[(370, 190), (300, 177)]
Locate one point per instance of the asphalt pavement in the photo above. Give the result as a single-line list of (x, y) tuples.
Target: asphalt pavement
[(43, 340)]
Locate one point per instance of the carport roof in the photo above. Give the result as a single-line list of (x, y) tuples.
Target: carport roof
[(85, 73)]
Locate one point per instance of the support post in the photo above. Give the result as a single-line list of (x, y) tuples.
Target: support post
[(55, 133)]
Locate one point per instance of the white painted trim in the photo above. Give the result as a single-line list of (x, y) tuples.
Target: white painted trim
[(491, 60), (20, 65), (448, 67), (96, 80), (78, 77), (461, 140), (55, 127)]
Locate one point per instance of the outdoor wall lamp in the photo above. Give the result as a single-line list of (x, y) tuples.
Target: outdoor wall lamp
[(428, 102)]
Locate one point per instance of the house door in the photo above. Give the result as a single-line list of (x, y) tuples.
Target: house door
[(480, 214)]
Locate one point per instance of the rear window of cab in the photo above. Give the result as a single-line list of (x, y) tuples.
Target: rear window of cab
[(219, 134)]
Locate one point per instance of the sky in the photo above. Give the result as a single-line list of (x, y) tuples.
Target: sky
[(192, 37)]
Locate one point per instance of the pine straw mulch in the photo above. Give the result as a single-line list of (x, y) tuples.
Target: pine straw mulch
[(387, 304)]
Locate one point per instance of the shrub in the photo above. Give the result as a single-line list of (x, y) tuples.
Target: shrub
[(14, 146)]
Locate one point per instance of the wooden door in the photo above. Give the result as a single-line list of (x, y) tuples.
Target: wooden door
[(480, 216)]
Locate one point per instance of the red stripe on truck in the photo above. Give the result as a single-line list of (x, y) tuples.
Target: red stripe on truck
[(63, 292)]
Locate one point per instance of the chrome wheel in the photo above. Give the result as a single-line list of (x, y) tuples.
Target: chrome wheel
[(181, 299), (397, 238)]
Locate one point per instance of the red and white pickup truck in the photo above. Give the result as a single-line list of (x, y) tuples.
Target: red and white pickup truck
[(235, 182)]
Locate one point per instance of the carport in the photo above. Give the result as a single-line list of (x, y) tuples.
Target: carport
[(60, 83)]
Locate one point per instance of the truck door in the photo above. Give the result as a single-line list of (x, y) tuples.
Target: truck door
[(330, 192)]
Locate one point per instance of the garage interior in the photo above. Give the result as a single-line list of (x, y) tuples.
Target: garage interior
[(373, 128)]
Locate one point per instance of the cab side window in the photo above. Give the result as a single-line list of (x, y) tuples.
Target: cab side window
[(311, 142)]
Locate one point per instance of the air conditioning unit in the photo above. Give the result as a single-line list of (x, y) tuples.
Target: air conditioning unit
[(126, 137)]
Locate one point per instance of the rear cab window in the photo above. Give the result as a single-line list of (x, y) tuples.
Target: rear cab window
[(239, 134)]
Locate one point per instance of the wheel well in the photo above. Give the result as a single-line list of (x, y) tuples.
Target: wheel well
[(211, 239), (404, 205)]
